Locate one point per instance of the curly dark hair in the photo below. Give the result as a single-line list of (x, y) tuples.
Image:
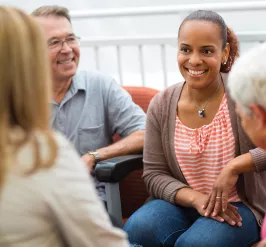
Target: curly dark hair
[(227, 35), (234, 51)]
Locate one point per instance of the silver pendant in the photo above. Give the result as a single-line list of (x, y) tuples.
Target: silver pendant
[(201, 113)]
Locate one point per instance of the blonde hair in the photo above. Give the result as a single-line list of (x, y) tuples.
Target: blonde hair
[(25, 85), (53, 10)]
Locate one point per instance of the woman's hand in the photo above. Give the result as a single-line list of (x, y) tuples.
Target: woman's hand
[(230, 216), (197, 204), (217, 201)]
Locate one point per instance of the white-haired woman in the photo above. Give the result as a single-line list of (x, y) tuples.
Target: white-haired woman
[(46, 196), (247, 84)]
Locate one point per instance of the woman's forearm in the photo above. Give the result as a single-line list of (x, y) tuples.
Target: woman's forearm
[(242, 164), (186, 197)]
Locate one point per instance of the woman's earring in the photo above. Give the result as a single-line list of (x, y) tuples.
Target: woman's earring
[(225, 62)]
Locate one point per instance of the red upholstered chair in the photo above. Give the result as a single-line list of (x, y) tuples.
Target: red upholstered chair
[(125, 189), (141, 95), (132, 189)]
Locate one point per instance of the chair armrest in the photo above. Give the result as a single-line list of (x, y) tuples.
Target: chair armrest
[(115, 169)]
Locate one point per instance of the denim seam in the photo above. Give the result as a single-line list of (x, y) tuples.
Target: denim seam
[(173, 233)]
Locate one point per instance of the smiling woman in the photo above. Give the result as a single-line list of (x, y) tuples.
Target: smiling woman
[(201, 56), (195, 151)]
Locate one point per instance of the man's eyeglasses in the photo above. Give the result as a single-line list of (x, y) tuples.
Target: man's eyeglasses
[(57, 44)]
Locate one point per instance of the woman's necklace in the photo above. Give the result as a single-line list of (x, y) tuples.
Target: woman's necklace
[(201, 110)]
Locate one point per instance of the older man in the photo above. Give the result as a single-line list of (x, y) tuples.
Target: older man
[(88, 108), (247, 84)]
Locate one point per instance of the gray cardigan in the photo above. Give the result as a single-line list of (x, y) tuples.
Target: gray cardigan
[(162, 174)]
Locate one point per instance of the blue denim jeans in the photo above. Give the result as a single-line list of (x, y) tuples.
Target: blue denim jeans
[(159, 224)]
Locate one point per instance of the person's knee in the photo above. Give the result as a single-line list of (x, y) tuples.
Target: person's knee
[(138, 224), (140, 230), (142, 227), (148, 215), (185, 241), (199, 237)]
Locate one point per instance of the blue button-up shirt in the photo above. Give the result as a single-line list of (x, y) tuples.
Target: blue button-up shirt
[(94, 108)]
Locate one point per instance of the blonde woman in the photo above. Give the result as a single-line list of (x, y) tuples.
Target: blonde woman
[(47, 198)]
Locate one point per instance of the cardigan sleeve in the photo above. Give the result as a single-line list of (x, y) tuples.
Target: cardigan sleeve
[(259, 159), (157, 175)]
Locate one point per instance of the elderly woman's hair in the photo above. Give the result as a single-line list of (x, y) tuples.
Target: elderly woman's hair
[(247, 80), (227, 35), (25, 84)]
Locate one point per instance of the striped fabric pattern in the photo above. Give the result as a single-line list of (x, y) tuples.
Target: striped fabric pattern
[(203, 152)]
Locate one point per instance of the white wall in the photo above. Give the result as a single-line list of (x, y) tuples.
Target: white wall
[(134, 26)]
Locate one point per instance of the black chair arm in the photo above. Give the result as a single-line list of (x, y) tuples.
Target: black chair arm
[(115, 169)]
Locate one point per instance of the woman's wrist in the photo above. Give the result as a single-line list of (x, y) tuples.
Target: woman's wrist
[(195, 199), (233, 168), (186, 197)]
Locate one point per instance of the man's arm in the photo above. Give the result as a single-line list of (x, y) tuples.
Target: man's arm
[(133, 143), (125, 118)]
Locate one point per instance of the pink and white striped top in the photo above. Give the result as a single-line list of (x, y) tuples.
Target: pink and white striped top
[(202, 153)]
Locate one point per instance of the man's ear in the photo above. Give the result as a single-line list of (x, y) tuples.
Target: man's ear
[(259, 113)]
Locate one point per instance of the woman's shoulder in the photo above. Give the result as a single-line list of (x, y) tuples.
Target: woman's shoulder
[(67, 159)]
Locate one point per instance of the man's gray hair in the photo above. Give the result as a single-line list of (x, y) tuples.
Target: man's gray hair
[(247, 79), (52, 10)]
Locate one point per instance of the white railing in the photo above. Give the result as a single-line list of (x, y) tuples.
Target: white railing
[(167, 10), (162, 41), (247, 36)]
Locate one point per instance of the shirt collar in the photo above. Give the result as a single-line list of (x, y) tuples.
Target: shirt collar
[(77, 84)]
